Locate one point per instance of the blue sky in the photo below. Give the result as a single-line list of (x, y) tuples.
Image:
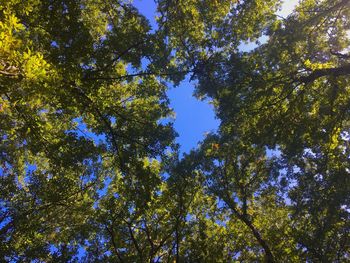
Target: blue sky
[(194, 118)]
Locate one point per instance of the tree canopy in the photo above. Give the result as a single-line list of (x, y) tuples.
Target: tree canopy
[(89, 167)]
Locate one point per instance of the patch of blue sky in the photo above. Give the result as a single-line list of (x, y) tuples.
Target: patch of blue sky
[(103, 191), (275, 152), (194, 118), (53, 249), (149, 10), (5, 221), (54, 44), (81, 253), (83, 131), (287, 8), (29, 169)]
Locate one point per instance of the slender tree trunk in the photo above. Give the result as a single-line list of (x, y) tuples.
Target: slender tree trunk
[(268, 254), (269, 258)]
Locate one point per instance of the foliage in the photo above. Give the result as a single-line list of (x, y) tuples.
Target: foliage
[(90, 171)]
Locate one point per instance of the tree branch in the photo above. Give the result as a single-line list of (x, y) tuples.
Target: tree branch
[(340, 55), (111, 232), (331, 72), (140, 74), (244, 218)]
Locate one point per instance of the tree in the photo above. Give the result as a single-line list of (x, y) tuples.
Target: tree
[(73, 119), (290, 95)]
